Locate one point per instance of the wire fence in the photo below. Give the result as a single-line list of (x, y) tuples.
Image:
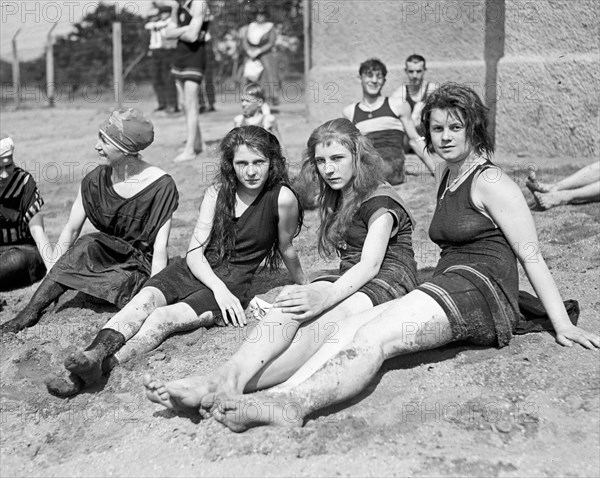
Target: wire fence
[(81, 57)]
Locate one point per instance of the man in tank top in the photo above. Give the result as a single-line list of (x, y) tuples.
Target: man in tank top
[(415, 91), (386, 121)]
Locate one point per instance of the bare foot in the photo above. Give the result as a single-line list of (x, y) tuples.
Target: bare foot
[(243, 412), (184, 395), (551, 199), (184, 156), (534, 185), (197, 148)]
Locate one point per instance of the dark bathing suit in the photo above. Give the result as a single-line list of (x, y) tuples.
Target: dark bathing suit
[(114, 264), (397, 275), (20, 200), (256, 232), (189, 59), (476, 280)]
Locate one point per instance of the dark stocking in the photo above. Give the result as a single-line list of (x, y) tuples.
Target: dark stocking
[(87, 364), (46, 293), (69, 384)]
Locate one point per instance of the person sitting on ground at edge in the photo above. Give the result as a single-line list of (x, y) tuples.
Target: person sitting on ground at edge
[(578, 188), (416, 91), (385, 121), (255, 111), (250, 214), (482, 224), (189, 63), (130, 202), (24, 244), (365, 221)]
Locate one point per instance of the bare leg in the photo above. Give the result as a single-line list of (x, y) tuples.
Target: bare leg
[(271, 351), (161, 323), (330, 330), (275, 333), (589, 193), (85, 367), (347, 331), (130, 318), (585, 176), (179, 90), (410, 324), (193, 144)]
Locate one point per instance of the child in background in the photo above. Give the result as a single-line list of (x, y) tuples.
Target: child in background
[(255, 111)]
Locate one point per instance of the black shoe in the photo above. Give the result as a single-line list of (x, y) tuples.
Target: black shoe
[(202, 109), (211, 108), (160, 108)]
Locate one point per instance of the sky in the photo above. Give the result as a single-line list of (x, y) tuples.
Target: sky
[(35, 18)]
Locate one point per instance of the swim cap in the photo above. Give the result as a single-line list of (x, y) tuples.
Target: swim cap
[(6, 146), (128, 130)]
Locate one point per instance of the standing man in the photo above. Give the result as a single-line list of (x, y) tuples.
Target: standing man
[(161, 53), (189, 63), (385, 121), (416, 91)]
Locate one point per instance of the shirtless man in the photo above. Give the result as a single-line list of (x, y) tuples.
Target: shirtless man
[(385, 121), (581, 187), (416, 91)]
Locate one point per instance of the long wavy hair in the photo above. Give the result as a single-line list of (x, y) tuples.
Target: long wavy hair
[(264, 143), (336, 209), (466, 106)]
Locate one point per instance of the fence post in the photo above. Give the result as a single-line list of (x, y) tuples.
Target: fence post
[(16, 70), (118, 63), (307, 30), (50, 87)]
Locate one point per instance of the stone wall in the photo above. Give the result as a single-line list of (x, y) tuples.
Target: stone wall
[(535, 63)]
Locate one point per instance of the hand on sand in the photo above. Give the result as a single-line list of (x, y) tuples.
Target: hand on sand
[(571, 333)]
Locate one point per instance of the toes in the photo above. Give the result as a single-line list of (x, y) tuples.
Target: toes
[(208, 400), (147, 380)]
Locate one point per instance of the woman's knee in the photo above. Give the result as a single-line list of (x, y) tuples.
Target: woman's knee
[(171, 317), (149, 299), (368, 337)]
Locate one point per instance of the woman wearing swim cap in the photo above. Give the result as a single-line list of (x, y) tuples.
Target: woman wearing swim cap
[(130, 202), (24, 243)]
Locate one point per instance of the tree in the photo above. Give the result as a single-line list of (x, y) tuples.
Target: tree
[(85, 56)]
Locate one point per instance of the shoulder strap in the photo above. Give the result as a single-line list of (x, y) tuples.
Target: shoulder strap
[(387, 190)]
